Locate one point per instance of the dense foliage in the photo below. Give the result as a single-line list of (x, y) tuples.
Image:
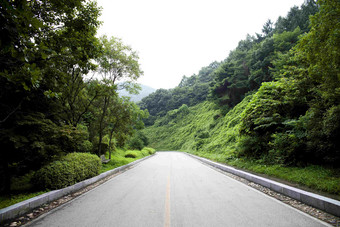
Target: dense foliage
[(275, 99), (204, 131), (58, 85), (252, 62), (191, 91), (295, 120), (71, 169), (243, 71)]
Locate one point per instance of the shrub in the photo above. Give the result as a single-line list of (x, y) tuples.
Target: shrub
[(148, 151), (71, 169), (86, 165), (131, 154), (251, 146), (86, 146), (138, 141)]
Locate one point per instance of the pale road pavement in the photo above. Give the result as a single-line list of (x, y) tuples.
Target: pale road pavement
[(173, 189)]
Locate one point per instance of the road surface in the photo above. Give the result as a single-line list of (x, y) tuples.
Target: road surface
[(173, 189)]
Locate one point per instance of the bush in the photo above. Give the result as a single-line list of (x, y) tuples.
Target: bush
[(148, 151), (250, 146), (271, 127), (71, 169), (138, 141), (86, 146), (131, 154)]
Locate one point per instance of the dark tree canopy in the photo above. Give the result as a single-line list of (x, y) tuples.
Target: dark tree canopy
[(49, 105)]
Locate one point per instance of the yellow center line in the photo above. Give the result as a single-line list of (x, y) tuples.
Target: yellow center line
[(167, 204)]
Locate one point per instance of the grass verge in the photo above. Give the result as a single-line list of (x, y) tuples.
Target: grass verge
[(204, 131), (122, 157), (117, 159), (316, 179), (6, 201)]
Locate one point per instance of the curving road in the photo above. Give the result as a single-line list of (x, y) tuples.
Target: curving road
[(173, 189)]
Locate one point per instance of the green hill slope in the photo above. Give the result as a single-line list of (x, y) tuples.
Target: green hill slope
[(202, 130), (198, 129), (273, 105)]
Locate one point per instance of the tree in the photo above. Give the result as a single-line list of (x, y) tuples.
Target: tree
[(190, 91), (42, 44), (297, 17), (117, 62), (319, 53), (295, 120), (268, 28)]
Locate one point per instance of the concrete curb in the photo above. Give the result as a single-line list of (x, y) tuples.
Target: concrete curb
[(23, 207), (323, 203)]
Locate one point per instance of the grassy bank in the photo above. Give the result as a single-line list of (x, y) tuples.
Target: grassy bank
[(313, 178), (122, 157), (204, 131), (22, 188)]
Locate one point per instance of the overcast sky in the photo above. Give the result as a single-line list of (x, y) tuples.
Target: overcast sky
[(178, 37)]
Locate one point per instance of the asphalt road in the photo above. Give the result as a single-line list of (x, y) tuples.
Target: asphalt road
[(173, 189)]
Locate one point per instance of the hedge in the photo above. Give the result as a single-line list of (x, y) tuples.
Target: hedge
[(71, 169)]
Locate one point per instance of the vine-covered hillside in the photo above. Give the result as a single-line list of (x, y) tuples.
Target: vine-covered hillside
[(275, 100)]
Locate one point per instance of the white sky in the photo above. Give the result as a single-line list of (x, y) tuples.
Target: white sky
[(178, 37)]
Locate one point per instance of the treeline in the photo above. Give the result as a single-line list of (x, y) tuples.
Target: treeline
[(290, 76), (191, 91), (295, 119), (58, 85), (246, 67), (255, 59)]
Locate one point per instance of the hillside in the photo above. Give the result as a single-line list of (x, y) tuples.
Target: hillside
[(198, 129), (272, 106), (202, 130), (144, 92)]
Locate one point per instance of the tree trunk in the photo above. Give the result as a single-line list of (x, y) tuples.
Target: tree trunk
[(101, 124), (111, 133)]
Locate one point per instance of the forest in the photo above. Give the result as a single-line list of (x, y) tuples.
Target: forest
[(59, 103), (272, 106)]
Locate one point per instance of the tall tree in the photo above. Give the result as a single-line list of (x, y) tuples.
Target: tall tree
[(117, 62), (42, 44), (319, 52)]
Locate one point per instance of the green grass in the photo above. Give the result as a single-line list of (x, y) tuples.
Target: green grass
[(317, 179), (6, 201), (21, 186), (205, 132), (203, 129), (122, 157)]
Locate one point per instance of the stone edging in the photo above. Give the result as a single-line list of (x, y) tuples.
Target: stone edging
[(23, 207), (331, 206)]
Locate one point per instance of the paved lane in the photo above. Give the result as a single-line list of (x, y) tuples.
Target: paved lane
[(173, 189)]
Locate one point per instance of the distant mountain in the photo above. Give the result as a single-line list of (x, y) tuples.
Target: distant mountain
[(145, 91)]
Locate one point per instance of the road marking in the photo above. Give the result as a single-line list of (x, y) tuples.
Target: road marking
[(167, 204)]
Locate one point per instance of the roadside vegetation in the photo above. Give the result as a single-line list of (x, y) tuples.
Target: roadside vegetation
[(59, 103), (34, 184), (122, 157), (272, 106), (204, 132)]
